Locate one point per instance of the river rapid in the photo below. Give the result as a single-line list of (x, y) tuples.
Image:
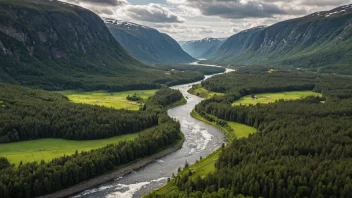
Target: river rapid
[(201, 139)]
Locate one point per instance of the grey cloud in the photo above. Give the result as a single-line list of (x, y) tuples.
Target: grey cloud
[(236, 9), (152, 13), (102, 11)]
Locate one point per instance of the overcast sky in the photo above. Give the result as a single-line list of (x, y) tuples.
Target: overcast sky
[(197, 19)]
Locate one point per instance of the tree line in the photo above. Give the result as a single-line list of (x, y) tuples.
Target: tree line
[(36, 179), (29, 114)]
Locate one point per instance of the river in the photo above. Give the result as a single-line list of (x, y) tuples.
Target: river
[(201, 139)]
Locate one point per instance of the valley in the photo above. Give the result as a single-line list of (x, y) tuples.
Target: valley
[(175, 99), (201, 139)]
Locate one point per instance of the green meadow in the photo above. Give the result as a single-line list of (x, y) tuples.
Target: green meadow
[(272, 97), (48, 149), (115, 100), (207, 165), (200, 91)]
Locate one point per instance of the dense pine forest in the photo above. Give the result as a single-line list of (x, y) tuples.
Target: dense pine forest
[(30, 114), (303, 148)]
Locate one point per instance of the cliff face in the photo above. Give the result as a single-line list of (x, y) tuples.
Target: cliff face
[(147, 44), (42, 39), (319, 39)]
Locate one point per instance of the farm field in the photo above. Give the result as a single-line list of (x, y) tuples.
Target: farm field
[(200, 91), (207, 165), (115, 100), (266, 98), (48, 149)]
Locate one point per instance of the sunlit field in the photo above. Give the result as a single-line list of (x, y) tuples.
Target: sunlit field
[(48, 149), (115, 100), (272, 97), (200, 91)]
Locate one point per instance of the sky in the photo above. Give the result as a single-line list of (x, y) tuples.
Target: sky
[(186, 20)]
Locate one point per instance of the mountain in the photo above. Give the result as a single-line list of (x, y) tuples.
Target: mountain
[(322, 39), (54, 45), (204, 48), (147, 44)]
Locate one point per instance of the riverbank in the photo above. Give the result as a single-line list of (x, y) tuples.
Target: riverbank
[(207, 165), (115, 174), (121, 170), (200, 140)]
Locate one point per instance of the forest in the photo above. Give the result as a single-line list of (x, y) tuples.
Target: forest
[(36, 179), (29, 114), (302, 148)]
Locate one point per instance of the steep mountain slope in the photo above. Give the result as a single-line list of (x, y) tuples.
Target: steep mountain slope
[(147, 44), (204, 48), (316, 40), (55, 45)]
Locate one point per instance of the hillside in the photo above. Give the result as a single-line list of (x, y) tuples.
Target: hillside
[(322, 39), (147, 44), (55, 45), (204, 48)]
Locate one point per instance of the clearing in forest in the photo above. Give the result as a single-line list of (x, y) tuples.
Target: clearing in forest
[(115, 100), (266, 98), (200, 91), (48, 149)]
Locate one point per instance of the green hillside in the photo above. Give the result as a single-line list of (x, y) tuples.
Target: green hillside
[(53, 45), (320, 40), (147, 44)]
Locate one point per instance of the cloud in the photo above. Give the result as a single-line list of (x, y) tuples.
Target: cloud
[(152, 13), (241, 9)]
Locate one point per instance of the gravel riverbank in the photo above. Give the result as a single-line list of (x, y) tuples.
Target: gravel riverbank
[(113, 175)]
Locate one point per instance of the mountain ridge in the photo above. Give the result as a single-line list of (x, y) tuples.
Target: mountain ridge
[(147, 44), (319, 40)]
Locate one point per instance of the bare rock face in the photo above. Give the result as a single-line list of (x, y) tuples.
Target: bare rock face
[(14, 33)]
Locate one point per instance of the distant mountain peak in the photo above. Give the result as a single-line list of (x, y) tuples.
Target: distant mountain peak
[(203, 48)]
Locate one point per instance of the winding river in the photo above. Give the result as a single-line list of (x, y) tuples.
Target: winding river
[(201, 139)]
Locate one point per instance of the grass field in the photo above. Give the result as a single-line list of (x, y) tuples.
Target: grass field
[(115, 99), (272, 97), (200, 91), (47, 149), (207, 165)]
